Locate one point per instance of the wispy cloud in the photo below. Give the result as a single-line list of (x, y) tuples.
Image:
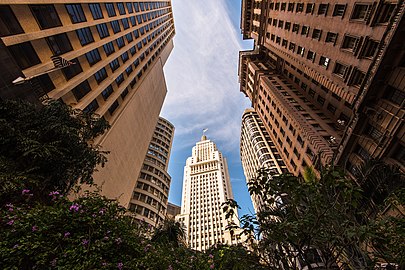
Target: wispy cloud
[(201, 75)]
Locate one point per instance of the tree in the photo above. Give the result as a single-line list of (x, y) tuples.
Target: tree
[(47, 148), (169, 232), (313, 223)]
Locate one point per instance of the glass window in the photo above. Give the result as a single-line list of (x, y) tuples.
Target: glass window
[(311, 55), (9, 24), (340, 69), (136, 6), (85, 36), (110, 9), (394, 95), (350, 43), (124, 57), (132, 50), (360, 12), (125, 23), (300, 7), (339, 10), (310, 8), (81, 90), (102, 30), (93, 57), (76, 13), (369, 49), (45, 82), (129, 37), (385, 12), (59, 44), (133, 21), (72, 70), (96, 11), (316, 34), (124, 93), (92, 107), (116, 26), (109, 48), (107, 92), (323, 9), (121, 8), (324, 61), (24, 54), (100, 75), (357, 77), (331, 108), (113, 107), (120, 42), (119, 79), (114, 64), (46, 16), (130, 8), (331, 37), (305, 30)]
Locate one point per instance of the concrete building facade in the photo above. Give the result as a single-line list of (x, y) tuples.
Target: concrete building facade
[(258, 151), (149, 198), (206, 186), (117, 50), (317, 69), (173, 210)]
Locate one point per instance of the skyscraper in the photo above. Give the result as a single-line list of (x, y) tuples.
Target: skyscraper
[(206, 185), (327, 79), (115, 52), (258, 151), (149, 199)]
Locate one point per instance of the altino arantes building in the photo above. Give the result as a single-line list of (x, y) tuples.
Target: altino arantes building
[(118, 49), (327, 79)]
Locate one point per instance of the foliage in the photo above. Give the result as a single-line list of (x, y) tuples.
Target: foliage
[(170, 232), (46, 148), (315, 222)]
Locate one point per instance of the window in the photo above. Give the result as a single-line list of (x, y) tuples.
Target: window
[(350, 43), (399, 153), (133, 21), (124, 57), (124, 93), (331, 108), (283, 6), (340, 69), (72, 70), (361, 152), (311, 92), (76, 13), (373, 133), (287, 26), (24, 54), (360, 12), (316, 34), (357, 77), (120, 42), (339, 10), (100, 75), (331, 37), (125, 23), (92, 107), (369, 49), (59, 44), (280, 24), (296, 28), (113, 107), (291, 7), (300, 7), (323, 9), (320, 100), (102, 30), (291, 46), (301, 50), (107, 92), (109, 48), (116, 26), (85, 36), (119, 79), (81, 90), (310, 8), (121, 8), (96, 11), (130, 8), (114, 64), (305, 30), (110, 9), (385, 13), (93, 57), (46, 16), (9, 24), (324, 61), (394, 95), (311, 55)]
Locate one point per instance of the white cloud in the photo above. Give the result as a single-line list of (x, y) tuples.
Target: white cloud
[(201, 75)]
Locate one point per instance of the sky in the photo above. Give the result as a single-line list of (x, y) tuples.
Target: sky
[(203, 89)]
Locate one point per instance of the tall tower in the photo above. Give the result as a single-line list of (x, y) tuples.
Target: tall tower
[(258, 151), (149, 199), (118, 50), (206, 185)]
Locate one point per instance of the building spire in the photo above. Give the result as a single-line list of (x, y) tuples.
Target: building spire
[(203, 137)]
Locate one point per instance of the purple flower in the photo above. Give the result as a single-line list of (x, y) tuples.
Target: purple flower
[(85, 242), (118, 240), (104, 264), (25, 191), (34, 228), (106, 238), (210, 256), (16, 246), (67, 234), (120, 265), (147, 247), (54, 193), (11, 222), (53, 262), (102, 211), (170, 267), (74, 207), (212, 266), (94, 215)]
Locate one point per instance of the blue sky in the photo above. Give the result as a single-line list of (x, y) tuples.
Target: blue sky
[(203, 88)]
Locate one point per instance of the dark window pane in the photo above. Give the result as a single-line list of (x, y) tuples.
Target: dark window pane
[(25, 55), (8, 22), (93, 57), (124, 57), (394, 95), (121, 8), (46, 16), (129, 37), (59, 44), (114, 64), (96, 11), (125, 23), (85, 36), (133, 21), (113, 107), (92, 107), (102, 30), (45, 82), (110, 9), (76, 13), (116, 26), (100, 75), (109, 48), (119, 79), (120, 42), (107, 92), (72, 70), (130, 8), (81, 90), (124, 93)]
